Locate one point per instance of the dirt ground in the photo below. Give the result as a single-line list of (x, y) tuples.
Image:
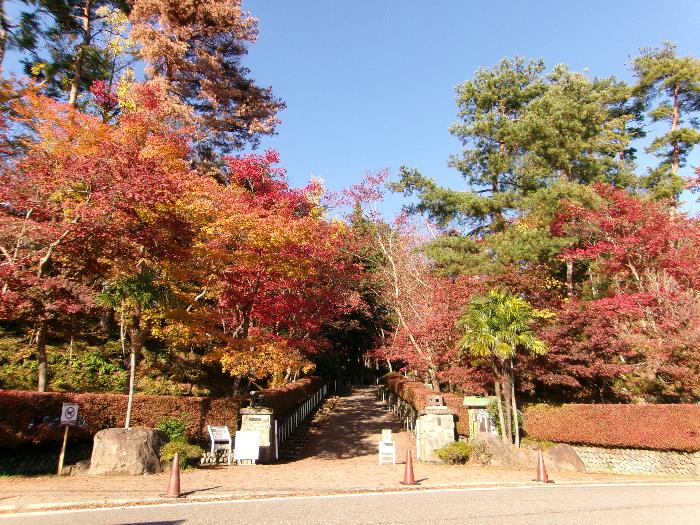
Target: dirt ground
[(341, 456)]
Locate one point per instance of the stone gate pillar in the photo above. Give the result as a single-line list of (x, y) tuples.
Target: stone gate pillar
[(259, 419), (435, 428)]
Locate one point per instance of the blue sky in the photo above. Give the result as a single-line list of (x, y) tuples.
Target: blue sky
[(370, 83)]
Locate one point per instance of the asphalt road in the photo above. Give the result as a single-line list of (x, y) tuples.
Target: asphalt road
[(597, 505)]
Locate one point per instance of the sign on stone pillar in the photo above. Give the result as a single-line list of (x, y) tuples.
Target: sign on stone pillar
[(259, 419), (435, 429)]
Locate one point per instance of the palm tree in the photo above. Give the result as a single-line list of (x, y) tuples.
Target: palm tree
[(131, 296), (498, 326)]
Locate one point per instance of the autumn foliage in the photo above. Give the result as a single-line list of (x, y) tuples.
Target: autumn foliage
[(657, 427), (31, 417), (416, 393)]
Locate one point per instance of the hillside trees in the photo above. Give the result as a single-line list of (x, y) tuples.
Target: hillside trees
[(555, 213), (87, 204)]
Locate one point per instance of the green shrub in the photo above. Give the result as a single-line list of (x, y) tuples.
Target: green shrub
[(189, 454), (455, 453), (541, 444), (174, 428)]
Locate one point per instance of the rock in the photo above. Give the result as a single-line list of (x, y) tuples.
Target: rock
[(499, 451), (563, 457), (81, 467), (525, 457), (131, 451)]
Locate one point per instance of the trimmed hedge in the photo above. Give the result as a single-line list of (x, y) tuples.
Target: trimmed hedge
[(415, 394), (655, 427), (33, 417)]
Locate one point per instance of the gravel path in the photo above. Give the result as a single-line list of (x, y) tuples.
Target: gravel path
[(341, 456)]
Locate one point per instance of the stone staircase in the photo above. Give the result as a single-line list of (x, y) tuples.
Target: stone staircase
[(297, 444)]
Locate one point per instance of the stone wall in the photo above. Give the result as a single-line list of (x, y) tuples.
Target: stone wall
[(637, 461)]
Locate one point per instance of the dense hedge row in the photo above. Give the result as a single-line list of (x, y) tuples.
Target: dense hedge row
[(415, 393), (658, 427), (33, 417)]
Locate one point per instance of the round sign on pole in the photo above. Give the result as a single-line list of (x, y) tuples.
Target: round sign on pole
[(69, 414)]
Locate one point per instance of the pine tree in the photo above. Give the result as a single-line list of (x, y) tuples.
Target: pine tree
[(669, 85), (490, 105), (66, 43), (196, 48)]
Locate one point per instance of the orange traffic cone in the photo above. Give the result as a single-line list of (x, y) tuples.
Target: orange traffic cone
[(173, 489), (408, 478), (541, 470)]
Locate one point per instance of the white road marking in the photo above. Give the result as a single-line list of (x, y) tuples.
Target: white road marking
[(355, 495)]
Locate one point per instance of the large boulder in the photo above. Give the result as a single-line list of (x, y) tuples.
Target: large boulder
[(563, 457), (131, 451), (499, 452)]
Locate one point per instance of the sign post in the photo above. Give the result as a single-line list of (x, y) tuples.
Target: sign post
[(69, 417)]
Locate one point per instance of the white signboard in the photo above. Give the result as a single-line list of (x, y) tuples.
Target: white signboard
[(219, 434), (69, 414), (247, 446)]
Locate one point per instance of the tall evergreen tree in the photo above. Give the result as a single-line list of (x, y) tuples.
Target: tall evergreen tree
[(669, 85), (523, 132), (490, 106), (195, 47), (577, 129)]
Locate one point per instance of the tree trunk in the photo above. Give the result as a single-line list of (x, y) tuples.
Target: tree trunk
[(3, 33), (674, 127), (432, 377), (236, 385), (41, 355), (570, 278), (499, 401), (107, 322), (505, 390), (132, 377), (78, 69), (136, 335), (594, 288), (516, 423)]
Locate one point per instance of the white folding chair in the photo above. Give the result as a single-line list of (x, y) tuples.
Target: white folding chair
[(220, 440)]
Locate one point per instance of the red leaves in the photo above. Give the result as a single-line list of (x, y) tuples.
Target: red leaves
[(630, 235), (281, 271), (658, 427), (105, 97), (25, 413)]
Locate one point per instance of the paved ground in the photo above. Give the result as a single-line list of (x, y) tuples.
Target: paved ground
[(341, 458), (590, 505)]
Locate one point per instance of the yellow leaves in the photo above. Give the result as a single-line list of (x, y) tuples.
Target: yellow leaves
[(260, 359), (38, 68), (124, 91)]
